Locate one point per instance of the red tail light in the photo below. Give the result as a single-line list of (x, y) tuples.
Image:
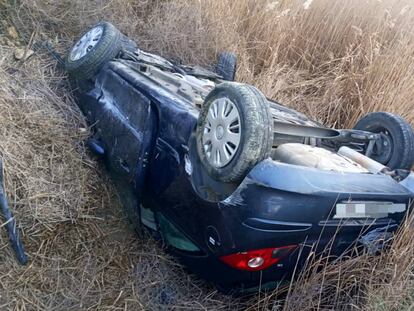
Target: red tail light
[(259, 259)]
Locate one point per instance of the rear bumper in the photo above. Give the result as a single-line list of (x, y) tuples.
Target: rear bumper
[(235, 281), (331, 242), (293, 202), (279, 204)]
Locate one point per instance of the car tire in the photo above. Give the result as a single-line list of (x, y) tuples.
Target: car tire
[(227, 65), (398, 139), (88, 55), (230, 143)]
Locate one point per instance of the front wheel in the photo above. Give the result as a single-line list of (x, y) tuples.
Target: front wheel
[(397, 143), (234, 131), (96, 47)]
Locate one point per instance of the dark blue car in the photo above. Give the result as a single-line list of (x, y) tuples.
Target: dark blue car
[(239, 187)]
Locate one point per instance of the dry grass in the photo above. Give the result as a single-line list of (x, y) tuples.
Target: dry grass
[(333, 60), (367, 282)]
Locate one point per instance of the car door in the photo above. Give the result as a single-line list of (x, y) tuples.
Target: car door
[(124, 124)]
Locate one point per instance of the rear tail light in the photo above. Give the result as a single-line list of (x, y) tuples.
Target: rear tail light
[(259, 259)]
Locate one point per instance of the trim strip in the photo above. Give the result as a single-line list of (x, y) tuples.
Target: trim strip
[(275, 226)]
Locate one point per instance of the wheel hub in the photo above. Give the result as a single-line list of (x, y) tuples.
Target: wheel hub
[(383, 153), (86, 43), (219, 132), (222, 132)]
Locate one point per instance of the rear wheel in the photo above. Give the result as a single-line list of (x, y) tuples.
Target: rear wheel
[(234, 131), (99, 45), (397, 149), (226, 65)]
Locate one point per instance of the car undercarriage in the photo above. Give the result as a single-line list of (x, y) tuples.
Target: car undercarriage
[(289, 126)]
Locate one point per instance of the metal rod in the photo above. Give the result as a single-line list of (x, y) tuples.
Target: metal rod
[(10, 224), (300, 130)]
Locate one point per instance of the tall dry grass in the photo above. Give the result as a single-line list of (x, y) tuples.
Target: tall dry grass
[(333, 60)]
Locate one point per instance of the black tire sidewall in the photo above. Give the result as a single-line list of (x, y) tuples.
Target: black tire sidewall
[(255, 125), (400, 132), (106, 49)]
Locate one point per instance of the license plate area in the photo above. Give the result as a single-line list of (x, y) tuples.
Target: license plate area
[(367, 209)]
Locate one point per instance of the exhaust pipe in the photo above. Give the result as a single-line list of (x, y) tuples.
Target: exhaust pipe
[(371, 165)]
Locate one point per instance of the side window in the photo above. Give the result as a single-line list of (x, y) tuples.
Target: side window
[(174, 237)]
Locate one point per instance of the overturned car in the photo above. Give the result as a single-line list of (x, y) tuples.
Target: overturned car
[(239, 187)]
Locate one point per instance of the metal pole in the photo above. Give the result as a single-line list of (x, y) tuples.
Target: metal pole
[(10, 224)]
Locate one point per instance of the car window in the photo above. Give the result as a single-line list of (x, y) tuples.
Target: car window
[(174, 237)]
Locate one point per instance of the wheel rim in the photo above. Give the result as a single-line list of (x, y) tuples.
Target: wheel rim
[(386, 149), (86, 43), (222, 132)]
